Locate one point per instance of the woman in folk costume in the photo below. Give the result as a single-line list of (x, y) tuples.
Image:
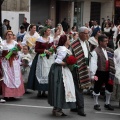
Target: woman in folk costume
[(61, 93), (38, 76), (56, 36), (59, 26), (12, 85), (30, 38), (93, 40), (116, 90), (1, 71)]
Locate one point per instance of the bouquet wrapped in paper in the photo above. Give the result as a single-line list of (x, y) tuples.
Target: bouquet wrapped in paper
[(51, 49), (14, 49)]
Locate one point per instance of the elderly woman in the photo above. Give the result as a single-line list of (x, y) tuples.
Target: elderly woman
[(12, 84), (38, 77)]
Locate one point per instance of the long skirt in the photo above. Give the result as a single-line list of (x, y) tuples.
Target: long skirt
[(13, 92), (12, 83), (33, 83), (116, 90), (56, 90), (38, 76)]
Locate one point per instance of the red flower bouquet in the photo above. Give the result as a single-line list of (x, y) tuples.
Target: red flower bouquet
[(71, 62)]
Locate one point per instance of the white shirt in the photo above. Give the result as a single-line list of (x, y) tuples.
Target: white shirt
[(115, 32), (105, 53), (84, 47), (93, 62)]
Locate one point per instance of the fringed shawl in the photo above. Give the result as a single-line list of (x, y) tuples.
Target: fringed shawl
[(82, 70), (110, 53)]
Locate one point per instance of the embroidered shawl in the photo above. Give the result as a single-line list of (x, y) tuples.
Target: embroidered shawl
[(82, 70)]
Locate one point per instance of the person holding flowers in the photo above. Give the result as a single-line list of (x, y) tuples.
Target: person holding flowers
[(12, 84), (30, 38), (80, 49), (61, 92), (38, 76)]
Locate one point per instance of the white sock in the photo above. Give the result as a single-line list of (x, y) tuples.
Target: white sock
[(95, 99), (108, 96)]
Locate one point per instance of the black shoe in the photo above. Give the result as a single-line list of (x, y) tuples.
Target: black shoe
[(63, 114), (59, 114), (44, 95), (39, 94), (97, 107), (109, 107), (81, 114), (74, 110)]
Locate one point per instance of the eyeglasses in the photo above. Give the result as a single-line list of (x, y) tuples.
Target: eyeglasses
[(9, 34), (85, 33)]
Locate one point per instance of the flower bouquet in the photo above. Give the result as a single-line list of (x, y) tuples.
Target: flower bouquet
[(14, 49), (51, 49), (71, 62)]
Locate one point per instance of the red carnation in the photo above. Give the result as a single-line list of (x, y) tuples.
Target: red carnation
[(71, 60)]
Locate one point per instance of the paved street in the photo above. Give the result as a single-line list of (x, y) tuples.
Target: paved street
[(32, 108)]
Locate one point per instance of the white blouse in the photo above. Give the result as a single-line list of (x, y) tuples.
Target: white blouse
[(27, 35), (7, 46), (61, 54), (62, 51), (107, 29), (117, 64)]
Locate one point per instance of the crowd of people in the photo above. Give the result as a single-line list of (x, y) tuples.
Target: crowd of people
[(61, 61)]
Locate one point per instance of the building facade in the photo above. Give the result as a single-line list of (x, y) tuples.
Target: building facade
[(76, 11), (15, 11)]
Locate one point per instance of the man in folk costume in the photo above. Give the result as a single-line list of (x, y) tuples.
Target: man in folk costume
[(102, 70), (80, 49)]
